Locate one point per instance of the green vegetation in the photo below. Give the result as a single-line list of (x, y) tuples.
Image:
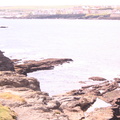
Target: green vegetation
[(6, 113), (8, 95)]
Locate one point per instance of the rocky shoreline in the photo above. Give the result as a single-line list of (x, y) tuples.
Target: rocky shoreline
[(32, 65), (68, 16), (21, 97)]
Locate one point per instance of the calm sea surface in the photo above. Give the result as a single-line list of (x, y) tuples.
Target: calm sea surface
[(94, 45)]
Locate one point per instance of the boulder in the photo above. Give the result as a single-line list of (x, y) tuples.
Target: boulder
[(5, 63)]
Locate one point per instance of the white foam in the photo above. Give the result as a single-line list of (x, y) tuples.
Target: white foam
[(101, 91), (98, 104)]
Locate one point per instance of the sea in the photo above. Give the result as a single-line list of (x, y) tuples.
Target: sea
[(93, 45)]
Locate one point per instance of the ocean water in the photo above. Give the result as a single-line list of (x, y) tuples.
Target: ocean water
[(94, 46)]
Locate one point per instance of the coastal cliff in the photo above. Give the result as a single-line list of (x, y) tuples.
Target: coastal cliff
[(24, 99)]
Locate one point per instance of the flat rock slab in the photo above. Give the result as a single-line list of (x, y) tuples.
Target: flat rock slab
[(46, 64)]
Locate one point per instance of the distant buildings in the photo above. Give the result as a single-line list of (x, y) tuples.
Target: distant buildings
[(113, 11)]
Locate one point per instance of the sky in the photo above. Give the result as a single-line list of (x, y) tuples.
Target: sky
[(57, 2)]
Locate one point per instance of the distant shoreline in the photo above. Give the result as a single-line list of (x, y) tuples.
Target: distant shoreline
[(67, 16), (61, 12)]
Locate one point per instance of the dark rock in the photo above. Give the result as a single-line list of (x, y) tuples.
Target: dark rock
[(5, 63), (116, 108), (32, 65), (97, 78), (117, 101), (3, 27)]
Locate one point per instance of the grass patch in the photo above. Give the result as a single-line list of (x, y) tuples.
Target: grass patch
[(8, 95), (6, 113)]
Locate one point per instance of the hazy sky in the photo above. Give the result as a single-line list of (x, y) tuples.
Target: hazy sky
[(57, 2)]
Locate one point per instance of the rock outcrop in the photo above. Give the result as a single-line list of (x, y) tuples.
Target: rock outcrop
[(5, 63), (97, 78), (23, 95), (46, 64), (12, 79), (101, 88)]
